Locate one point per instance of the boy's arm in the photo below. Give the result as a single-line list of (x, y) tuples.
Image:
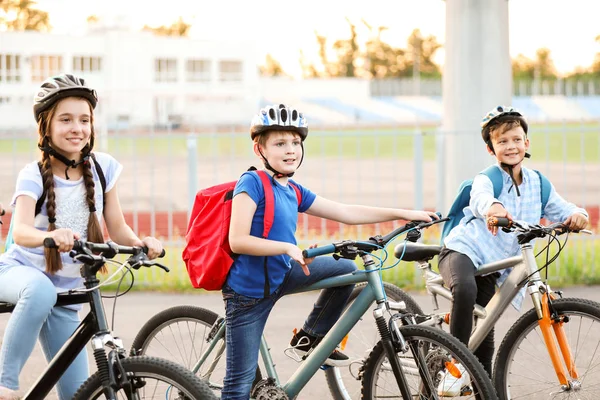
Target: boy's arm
[(483, 204), (358, 214), (241, 242), (482, 196)]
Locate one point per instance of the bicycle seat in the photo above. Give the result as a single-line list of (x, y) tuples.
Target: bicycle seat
[(410, 251)]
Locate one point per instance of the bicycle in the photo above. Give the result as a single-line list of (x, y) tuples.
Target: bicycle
[(423, 351), (118, 376), (544, 331)]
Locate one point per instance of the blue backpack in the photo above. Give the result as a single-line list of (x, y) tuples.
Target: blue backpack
[(461, 201), (38, 205)]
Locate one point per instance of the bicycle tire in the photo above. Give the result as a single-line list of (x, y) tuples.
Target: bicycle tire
[(186, 354), (442, 347), (180, 381), (507, 368), (343, 382)]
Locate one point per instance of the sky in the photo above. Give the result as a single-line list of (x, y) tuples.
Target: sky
[(283, 28)]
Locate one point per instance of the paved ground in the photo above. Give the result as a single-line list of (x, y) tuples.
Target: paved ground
[(134, 309)]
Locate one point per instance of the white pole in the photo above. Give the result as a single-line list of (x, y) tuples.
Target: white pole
[(477, 77)]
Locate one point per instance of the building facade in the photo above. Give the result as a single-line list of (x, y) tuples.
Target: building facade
[(141, 78)]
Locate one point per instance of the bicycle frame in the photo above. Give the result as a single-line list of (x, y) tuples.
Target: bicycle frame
[(94, 328), (373, 291), (525, 272)]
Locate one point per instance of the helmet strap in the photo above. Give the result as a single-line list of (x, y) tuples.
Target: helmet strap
[(46, 148)]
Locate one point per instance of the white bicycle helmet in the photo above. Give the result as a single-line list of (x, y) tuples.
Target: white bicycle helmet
[(498, 115), (282, 118), (58, 87)]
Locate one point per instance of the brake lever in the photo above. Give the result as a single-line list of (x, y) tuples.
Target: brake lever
[(154, 263)]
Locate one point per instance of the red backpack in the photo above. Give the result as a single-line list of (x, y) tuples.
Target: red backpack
[(207, 254)]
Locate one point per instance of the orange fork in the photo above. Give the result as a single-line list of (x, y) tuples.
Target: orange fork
[(546, 323)]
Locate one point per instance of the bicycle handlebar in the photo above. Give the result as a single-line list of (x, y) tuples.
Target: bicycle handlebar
[(109, 250), (372, 243), (535, 230)]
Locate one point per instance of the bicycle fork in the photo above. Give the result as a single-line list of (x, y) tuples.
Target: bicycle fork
[(552, 326)]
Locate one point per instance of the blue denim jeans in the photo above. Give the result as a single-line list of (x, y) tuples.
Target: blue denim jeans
[(34, 316), (246, 318)]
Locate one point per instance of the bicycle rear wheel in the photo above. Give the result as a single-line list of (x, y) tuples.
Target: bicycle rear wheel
[(180, 334), (435, 348), (344, 382), (152, 378), (523, 369)]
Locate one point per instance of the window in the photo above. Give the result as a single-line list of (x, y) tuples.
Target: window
[(10, 68), (45, 66), (165, 70), (230, 70), (197, 70), (82, 64)]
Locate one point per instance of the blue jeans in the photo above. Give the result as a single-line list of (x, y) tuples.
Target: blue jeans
[(35, 316), (246, 318)]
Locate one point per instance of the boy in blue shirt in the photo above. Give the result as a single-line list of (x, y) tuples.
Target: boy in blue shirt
[(267, 269), (473, 243)]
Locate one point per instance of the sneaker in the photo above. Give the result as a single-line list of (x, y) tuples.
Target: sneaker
[(303, 343), (452, 380), (8, 394)]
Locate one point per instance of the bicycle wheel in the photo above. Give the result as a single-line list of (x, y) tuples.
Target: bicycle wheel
[(435, 348), (179, 334), (153, 378), (523, 368), (344, 382)]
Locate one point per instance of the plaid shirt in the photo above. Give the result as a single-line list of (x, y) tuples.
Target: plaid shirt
[(472, 238)]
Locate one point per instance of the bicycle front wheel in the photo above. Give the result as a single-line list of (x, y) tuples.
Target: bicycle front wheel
[(180, 334), (149, 378), (431, 350), (523, 369), (344, 382)]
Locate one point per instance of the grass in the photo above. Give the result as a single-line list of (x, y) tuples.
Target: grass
[(571, 142), (577, 264)]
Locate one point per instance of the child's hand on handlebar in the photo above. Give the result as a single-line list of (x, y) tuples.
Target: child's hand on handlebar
[(576, 222), (497, 210), (64, 238), (296, 254), (417, 215), (154, 246)]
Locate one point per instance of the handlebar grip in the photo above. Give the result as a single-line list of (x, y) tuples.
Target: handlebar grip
[(318, 251), (499, 221), (161, 255)]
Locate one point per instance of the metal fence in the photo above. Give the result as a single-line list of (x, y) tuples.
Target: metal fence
[(163, 169)]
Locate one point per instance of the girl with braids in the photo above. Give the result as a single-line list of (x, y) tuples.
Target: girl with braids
[(31, 276)]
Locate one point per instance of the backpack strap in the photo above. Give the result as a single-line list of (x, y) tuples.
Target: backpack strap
[(101, 177), (99, 172), (270, 216), (495, 175), (545, 188)]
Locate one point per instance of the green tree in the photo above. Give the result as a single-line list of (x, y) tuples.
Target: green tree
[(23, 15), (544, 65), (271, 67), (595, 69), (177, 28), (347, 51), (523, 67)]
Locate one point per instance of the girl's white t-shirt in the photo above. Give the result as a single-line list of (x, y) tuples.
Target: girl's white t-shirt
[(72, 212)]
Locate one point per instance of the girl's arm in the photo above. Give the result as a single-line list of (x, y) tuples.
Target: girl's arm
[(24, 232), (358, 214), (120, 232)]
